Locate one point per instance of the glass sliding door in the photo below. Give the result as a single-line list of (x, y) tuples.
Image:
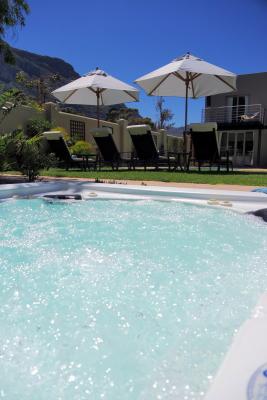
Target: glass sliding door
[(231, 143), (240, 146), (239, 150), (248, 148), (224, 142)]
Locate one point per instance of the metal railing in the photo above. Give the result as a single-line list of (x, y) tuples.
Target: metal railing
[(234, 114)]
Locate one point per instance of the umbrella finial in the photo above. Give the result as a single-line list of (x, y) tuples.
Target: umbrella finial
[(185, 56), (96, 71)]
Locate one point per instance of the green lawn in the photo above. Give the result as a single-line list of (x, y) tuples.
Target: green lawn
[(213, 178)]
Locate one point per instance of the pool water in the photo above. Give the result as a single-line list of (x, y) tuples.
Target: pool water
[(122, 300)]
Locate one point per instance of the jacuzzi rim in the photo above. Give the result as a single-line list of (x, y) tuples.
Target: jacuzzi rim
[(241, 201)]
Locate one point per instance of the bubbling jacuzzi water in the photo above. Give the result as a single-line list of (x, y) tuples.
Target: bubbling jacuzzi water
[(122, 300)]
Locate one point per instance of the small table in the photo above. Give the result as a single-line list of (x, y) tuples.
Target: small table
[(181, 160), (89, 161)]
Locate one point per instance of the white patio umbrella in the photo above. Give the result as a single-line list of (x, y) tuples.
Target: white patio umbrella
[(96, 88), (188, 76)]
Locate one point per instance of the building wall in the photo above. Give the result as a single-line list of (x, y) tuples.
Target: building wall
[(63, 120), (120, 133), (252, 85), (174, 143), (17, 118), (263, 148)]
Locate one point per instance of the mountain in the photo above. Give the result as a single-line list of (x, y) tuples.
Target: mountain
[(176, 131), (35, 66)]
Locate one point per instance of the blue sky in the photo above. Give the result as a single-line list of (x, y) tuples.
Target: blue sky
[(129, 38)]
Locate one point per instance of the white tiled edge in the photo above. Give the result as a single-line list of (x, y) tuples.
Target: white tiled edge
[(237, 200)]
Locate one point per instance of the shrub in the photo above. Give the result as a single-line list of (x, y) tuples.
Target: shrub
[(36, 126), (4, 140), (141, 121), (27, 155), (31, 156), (81, 147), (8, 151)]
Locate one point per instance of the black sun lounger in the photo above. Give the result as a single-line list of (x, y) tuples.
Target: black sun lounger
[(146, 152), (109, 154), (58, 146), (206, 149)]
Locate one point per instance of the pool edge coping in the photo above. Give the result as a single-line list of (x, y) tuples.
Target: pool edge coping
[(241, 201)]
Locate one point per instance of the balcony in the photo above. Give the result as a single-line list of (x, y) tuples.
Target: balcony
[(252, 115)]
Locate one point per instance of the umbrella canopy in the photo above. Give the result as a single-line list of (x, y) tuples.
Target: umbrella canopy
[(96, 88), (188, 76)]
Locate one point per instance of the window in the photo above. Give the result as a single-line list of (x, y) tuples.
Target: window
[(77, 130), (237, 106)]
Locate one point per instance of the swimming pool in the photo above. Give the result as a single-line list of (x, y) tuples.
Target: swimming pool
[(114, 299)]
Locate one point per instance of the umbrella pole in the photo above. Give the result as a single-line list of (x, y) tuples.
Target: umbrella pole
[(186, 109), (97, 108)]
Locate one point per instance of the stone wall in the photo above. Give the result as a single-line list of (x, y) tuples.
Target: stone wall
[(18, 117)]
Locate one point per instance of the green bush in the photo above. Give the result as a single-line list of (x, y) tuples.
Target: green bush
[(4, 164), (8, 151), (31, 156), (81, 147), (27, 155), (36, 126)]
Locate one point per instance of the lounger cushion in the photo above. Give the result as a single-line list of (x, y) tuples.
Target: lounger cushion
[(162, 158), (76, 158), (53, 135), (207, 127), (138, 129), (101, 132)]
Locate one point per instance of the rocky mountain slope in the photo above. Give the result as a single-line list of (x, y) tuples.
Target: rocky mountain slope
[(35, 66)]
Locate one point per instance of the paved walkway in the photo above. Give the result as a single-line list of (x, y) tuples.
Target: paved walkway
[(159, 183), (19, 179)]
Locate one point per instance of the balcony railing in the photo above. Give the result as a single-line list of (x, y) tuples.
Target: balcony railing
[(234, 114)]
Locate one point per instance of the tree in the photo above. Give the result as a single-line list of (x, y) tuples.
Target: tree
[(116, 113), (42, 84), (164, 115), (36, 126), (12, 14), (130, 114), (142, 121)]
